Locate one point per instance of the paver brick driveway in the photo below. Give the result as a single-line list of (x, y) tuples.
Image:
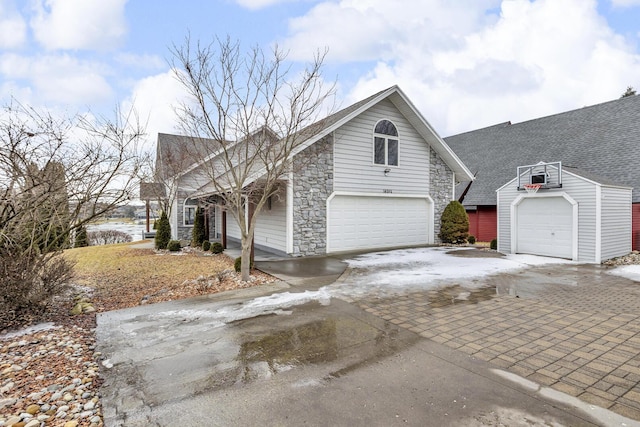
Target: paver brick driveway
[(571, 327)]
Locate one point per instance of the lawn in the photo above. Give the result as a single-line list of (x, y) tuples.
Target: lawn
[(120, 276)]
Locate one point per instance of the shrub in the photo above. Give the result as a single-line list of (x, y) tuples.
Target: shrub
[(216, 248), (206, 245), (173, 246), (237, 265), (108, 237), (82, 239), (454, 223), (471, 239), (198, 233), (163, 232), (494, 244)]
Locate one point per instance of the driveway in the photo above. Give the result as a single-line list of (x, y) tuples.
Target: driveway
[(418, 337)]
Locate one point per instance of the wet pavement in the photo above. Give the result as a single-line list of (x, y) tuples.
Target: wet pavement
[(572, 328), (549, 345)]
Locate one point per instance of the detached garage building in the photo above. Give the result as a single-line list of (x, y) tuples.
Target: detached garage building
[(573, 215)]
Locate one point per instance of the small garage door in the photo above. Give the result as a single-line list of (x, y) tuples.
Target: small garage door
[(357, 222), (545, 227)]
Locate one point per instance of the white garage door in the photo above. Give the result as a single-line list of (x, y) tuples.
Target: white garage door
[(377, 222), (545, 227)]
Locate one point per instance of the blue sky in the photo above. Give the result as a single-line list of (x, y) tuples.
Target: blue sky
[(464, 63)]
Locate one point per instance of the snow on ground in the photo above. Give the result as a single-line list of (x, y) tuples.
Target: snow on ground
[(403, 270), (381, 274), (270, 304), (631, 272)]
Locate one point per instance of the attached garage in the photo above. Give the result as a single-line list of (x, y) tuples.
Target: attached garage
[(574, 215), (358, 222)]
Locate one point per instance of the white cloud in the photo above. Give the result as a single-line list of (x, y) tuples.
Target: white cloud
[(13, 29), (467, 64), (155, 98), (79, 24), (625, 3), (261, 4), (54, 79)]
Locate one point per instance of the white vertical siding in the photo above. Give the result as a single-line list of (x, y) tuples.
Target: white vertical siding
[(584, 193), (616, 222), (233, 230), (354, 170), (505, 197), (271, 226)]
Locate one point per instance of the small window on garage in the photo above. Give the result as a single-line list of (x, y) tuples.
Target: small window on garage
[(385, 144), (189, 217)]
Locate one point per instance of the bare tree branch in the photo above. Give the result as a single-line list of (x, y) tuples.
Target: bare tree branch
[(256, 113)]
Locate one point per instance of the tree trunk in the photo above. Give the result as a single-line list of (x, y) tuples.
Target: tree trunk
[(245, 269)]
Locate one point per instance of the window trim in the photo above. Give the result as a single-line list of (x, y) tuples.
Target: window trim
[(188, 204), (386, 139)]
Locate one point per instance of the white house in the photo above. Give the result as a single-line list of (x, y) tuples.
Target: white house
[(574, 214), (380, 178)]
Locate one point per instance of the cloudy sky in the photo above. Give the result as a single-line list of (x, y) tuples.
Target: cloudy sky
[(464, 63)]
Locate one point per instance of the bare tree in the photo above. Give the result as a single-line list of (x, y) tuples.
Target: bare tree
[(250, 115), (56, 175)]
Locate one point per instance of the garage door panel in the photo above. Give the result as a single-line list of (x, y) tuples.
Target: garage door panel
[(545, 227), (358, 222)]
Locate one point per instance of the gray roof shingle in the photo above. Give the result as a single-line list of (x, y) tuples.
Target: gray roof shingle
[(602, 140)]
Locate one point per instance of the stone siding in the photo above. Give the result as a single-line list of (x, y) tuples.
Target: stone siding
[(441, 188), (183, 233), (312, 185)]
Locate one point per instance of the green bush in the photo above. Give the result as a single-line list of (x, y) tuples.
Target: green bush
[(198, 233), (163, 232), (206, 245), (173, 246), (82, 239), (216, 248), (471, 239), (454, 223), (237, 265), (494, 244)]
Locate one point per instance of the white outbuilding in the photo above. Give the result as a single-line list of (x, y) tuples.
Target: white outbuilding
[(558, 211)]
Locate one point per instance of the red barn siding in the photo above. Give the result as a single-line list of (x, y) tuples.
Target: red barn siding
[(483, 223), (635, 226)]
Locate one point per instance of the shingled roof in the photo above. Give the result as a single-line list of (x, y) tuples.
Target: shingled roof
[(603, 140)]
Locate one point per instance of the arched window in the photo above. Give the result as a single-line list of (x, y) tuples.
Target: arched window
[(385, 144)]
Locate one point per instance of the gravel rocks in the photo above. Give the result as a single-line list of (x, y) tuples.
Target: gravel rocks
[(49, 373), (632, 258), (50, 378)]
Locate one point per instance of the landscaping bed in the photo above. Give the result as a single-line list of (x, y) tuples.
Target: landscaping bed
[(49, 375)]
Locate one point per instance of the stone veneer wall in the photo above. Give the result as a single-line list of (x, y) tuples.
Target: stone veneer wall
[(183, 233), (312, 185), (441, 188)]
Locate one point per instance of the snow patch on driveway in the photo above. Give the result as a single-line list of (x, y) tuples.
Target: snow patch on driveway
[(415, 269), (631, 272)]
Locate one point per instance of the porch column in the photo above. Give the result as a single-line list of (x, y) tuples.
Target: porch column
[(148, 209), (224, 228), (252, 211)]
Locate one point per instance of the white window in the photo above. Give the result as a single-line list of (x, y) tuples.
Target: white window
[(189, 216), (385, 144)]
